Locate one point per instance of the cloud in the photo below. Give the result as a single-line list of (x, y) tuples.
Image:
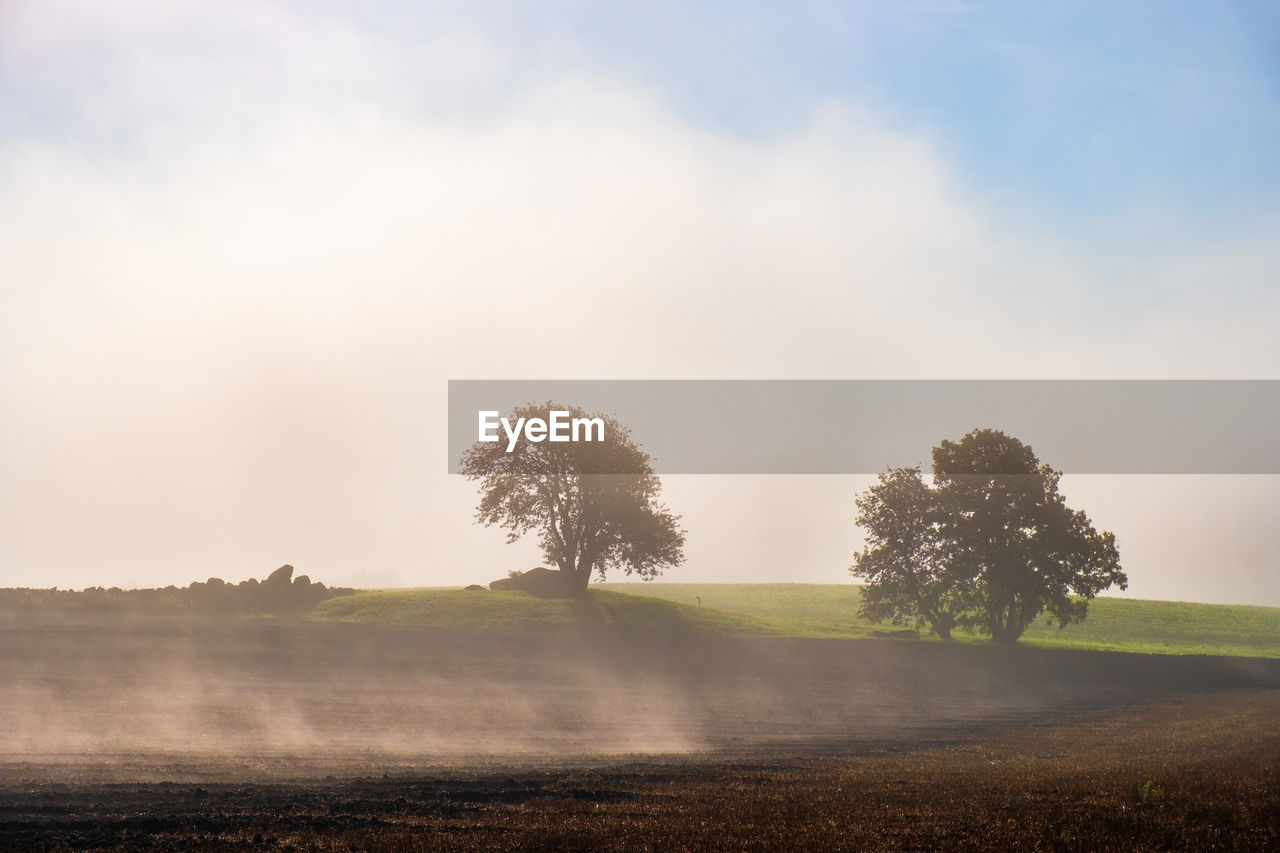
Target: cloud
[(246, 253)]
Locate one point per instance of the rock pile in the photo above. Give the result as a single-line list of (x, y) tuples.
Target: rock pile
[(279, 591)]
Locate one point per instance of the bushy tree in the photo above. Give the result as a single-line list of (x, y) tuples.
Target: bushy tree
[(1013, 546), (593, 504), (901, 561), (989, 546)]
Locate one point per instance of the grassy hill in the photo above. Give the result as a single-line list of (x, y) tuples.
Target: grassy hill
[(1121, 624), (804, 610), (519, 611)]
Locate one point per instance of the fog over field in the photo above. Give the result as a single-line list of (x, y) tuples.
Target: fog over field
[(243, 698), (248, 246)]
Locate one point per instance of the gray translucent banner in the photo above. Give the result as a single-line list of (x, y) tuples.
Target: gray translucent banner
[(862, 426)]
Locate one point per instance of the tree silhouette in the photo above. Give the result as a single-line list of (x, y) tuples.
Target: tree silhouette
[(593, 504), (906, 577), (990, 546), (1012, 539)]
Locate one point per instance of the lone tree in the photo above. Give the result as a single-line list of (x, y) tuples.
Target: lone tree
[(991, 545), (593, 504)]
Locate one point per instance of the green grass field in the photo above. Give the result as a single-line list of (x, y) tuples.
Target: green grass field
[(518, 611), (1119, 624), (805, 610)]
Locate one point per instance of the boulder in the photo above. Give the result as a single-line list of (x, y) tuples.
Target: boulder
[(542, 582), (280, 577)]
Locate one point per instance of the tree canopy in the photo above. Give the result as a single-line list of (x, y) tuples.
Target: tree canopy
[(989, 546), (902, 561), (593, 504)]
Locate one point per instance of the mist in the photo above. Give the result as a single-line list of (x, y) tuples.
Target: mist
[(173, 699)]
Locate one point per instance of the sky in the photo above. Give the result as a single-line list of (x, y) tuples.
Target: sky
[(244, 245)]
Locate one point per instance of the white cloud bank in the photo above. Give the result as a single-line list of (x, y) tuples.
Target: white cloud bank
[(241, 251)]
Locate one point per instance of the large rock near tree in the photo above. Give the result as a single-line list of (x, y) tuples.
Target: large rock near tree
[(542, 582)]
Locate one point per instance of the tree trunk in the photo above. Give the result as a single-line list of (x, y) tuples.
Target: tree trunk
[(578, 580), (1009, 623), (575, 580), (996, 624), (1003, 631)]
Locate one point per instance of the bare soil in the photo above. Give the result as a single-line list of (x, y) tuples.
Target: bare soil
[(237, 735)]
